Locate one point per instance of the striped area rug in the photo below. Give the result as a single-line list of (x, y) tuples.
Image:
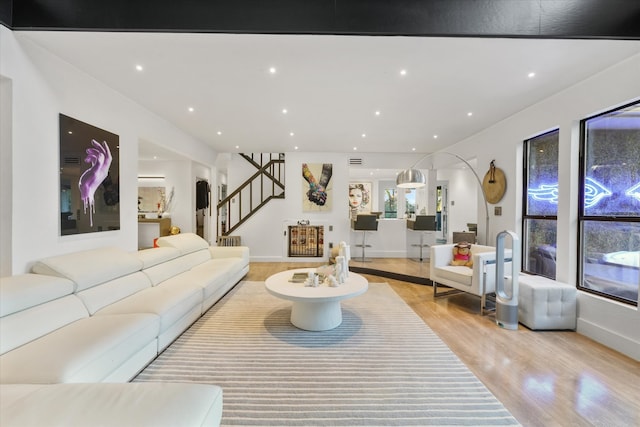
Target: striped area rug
[(382, 367)]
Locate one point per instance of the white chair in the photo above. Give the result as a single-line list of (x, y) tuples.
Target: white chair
[(479, 280)]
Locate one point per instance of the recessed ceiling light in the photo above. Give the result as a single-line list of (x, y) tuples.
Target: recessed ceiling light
[(531, 75), (139, 67), (291, 133), (191, 109), (237, 147), (377, 113), (413, 149), (219, 132), (284, 111), (435, 136), (295, 148), (70, 132), (155, 157), (403, 72), (355, 148), (470, 114), (364, 135), (272, 70)]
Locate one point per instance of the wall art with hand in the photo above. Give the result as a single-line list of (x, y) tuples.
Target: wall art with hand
[(316, 187), (89, 178)]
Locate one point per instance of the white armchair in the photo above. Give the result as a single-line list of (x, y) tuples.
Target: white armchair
[(479, 280)]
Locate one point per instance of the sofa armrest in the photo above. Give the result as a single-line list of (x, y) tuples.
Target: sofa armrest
[(218, 252), (484, 270)]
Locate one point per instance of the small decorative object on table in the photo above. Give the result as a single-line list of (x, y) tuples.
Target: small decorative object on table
[(312, 280), (345, 252), (331, 281), (341, 269)]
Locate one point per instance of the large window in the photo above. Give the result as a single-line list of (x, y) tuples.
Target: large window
[(610, 204), (390, 203), (540, 207), (410, 201)]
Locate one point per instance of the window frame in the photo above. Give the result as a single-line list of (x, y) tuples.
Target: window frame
[(583, 218), (525, 199)]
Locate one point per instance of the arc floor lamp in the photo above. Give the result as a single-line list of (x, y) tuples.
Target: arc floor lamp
[(414, 178)]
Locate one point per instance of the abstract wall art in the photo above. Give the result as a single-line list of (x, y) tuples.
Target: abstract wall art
[(89, 178)]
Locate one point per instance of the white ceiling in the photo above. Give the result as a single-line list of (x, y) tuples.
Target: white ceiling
[(331, 86)]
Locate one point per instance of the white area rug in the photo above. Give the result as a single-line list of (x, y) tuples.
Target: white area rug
[(382, 367)]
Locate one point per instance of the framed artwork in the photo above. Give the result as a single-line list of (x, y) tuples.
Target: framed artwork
[(360, 198), (151, 199), (317, 187), (89, 178)]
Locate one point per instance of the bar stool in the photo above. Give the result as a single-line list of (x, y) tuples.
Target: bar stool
[(364, 223), (421, 224)]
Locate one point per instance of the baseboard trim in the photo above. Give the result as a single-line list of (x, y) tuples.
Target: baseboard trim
[(609, 338)]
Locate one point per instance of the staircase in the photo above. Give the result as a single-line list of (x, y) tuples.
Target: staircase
[(265, 184)]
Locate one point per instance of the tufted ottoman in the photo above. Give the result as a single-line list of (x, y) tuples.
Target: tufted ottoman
[(546, 304)]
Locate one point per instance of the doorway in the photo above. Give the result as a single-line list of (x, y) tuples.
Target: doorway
[(442, 203), (203, 207)]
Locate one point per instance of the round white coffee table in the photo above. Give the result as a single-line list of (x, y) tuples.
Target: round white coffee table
[(315, 309)]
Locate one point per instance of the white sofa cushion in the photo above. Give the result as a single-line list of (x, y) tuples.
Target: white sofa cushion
[(87, 350), (213, 274), (155, 256), (28, 290), (184, 242), (91, 267), (170, 303), (241, 252), (112, 291), (457, 273), (30, 324), (161, 272), (195, 258), (122, 405)]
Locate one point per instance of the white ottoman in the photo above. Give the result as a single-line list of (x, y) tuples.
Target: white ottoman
[(546, 304)]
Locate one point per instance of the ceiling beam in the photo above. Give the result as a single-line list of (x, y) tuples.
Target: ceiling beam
[(610, 19)]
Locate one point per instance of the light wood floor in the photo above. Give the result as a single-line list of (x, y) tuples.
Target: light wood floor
[(544, 378)]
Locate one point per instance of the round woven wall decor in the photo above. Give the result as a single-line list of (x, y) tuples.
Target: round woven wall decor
[(494, 184)]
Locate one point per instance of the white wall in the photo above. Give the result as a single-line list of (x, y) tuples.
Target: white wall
[(264, 233), (6, 170), (463, 199), (610, 323), (42, 87)]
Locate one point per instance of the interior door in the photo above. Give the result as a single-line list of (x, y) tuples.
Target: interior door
[(442, 203)]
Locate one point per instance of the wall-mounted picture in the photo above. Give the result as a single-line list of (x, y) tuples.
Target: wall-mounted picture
[(360, 198), (317, 187), (89, 178)]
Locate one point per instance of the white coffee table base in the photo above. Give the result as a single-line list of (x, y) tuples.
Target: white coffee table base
[(315, 309), (312, 316)]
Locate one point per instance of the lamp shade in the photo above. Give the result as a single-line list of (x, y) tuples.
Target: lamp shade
[(411, 178)]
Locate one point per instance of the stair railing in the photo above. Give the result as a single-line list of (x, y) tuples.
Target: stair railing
[(265, 184)]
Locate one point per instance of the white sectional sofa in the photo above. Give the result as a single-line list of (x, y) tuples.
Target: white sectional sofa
[(101, 316)]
